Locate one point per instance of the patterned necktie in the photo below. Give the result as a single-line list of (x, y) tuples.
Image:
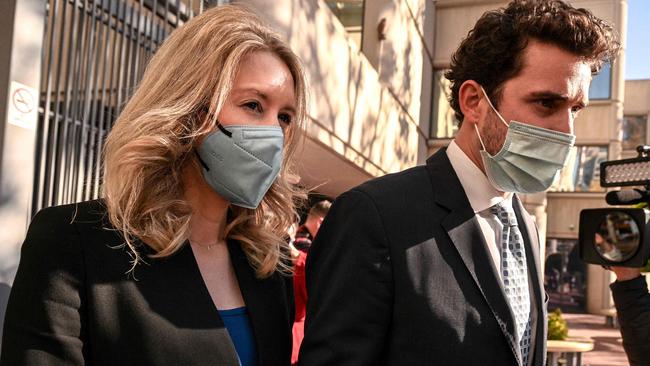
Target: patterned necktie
[(515, 275)]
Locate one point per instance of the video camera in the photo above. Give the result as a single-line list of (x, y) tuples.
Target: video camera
[(619, 236)]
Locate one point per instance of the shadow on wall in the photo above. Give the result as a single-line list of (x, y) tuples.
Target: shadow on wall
[(362, 113)]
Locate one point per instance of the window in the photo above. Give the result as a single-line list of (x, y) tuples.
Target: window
[(565, 275), (582, 171), (443, 120), (350, 14), (601, 84), (634, 131)]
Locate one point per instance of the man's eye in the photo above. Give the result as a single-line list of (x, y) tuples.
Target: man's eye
[(546, 103), (285, 118), (575, 110), (254, 106)]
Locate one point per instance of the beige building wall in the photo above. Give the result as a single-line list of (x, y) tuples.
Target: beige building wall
[(637, 97), (556, 213), (637, 103), (365, 104)]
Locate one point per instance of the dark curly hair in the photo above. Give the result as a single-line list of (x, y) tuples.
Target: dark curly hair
[(492, 52)]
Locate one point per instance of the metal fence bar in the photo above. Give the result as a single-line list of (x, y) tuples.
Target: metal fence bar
[(92, 121), (129, 56), (94, 55), (114, 69), (69, 145), (54, 140), (104, 105), (81, 128), (122, 61), (43, 133), (58, 160), (136, 63)]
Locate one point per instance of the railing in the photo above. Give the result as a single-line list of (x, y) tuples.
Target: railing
[(94, 54)]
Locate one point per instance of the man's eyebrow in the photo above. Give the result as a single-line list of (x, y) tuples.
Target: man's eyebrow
[(547, 94)]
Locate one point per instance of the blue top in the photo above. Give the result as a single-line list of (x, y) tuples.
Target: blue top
[(240, 329)]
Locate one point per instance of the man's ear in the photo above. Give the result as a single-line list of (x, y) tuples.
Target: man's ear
[(469, 97)]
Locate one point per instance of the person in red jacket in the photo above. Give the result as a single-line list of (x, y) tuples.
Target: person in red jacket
[(304, 236)]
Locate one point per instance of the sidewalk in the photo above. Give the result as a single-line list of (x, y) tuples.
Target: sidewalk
[(608, 349)]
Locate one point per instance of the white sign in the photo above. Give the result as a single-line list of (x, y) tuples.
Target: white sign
[(23, 106)]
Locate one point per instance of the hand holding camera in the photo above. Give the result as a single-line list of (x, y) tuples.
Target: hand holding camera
[(616, 236), (619, 240)]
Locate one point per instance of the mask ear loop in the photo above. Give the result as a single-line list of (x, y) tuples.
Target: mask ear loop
[(223, 129), (198, 156), (494, 109), (219, 125), (479, 137)]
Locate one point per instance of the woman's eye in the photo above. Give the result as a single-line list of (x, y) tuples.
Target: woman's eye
[(284, 118), (254, 106)]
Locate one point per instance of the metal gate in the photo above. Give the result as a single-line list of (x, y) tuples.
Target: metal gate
[(94, 54)]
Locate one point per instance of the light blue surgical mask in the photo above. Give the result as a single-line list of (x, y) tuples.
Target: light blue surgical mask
[(530, 158), (241, 162)]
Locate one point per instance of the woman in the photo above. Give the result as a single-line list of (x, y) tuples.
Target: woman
[(181, 262)]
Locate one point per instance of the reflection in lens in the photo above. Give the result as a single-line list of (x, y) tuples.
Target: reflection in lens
[(618, 237)]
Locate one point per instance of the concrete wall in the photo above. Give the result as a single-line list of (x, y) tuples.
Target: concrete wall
[(637, 103), (637, 97), (454, 19), (365, 113)]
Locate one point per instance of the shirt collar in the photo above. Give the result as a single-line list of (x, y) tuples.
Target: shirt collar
[(480, 192)]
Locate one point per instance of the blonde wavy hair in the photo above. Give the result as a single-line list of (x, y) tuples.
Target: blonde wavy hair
[(182, 91)]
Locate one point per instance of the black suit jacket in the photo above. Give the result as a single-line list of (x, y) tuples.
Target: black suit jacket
[(633, 309), (400, 274), (73, 302)]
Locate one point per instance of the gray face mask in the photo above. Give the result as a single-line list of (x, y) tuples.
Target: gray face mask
[(530, 158), (241, 162)]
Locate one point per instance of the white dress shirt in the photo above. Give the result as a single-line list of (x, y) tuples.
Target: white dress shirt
[(482, 195)]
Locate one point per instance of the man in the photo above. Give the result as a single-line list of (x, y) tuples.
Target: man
[(304, 237), (632, 300), (439, 265), (307, 232)]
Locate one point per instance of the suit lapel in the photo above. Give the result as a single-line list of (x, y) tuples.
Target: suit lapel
[(169, 279), (465, 233)]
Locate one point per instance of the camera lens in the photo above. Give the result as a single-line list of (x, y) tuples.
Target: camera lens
[(617, 238)]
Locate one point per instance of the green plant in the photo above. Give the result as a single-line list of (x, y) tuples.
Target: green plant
[(558, 330)]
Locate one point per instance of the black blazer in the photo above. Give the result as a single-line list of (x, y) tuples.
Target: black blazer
[(400, 274), (74, 303)]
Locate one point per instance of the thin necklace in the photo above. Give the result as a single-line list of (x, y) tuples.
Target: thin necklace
[(204, 245)]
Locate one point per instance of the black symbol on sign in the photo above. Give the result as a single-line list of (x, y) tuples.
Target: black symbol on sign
[(23, 100)]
